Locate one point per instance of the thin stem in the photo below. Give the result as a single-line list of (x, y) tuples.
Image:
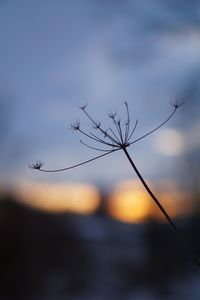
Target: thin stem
[(87, 135), (77, 165), (155, 129), (97, 126), (126, 131), (120, 130), (136, 123), (102, 141), (94, 148), (127, 121), (176, 230), (117, 127), (117, 140)]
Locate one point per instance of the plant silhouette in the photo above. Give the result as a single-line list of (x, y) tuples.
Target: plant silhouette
[(115, 138)]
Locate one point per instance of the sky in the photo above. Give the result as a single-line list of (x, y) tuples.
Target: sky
[(58, 55)]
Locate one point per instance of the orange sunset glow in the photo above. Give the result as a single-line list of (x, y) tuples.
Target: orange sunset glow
[(129, 202), (75, 198)]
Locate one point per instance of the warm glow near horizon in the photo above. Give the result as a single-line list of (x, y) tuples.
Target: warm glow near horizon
[(129, 202), (57, 198), (129, 206)]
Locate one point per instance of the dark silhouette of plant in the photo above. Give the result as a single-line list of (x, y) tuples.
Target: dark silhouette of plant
[(115, 138)]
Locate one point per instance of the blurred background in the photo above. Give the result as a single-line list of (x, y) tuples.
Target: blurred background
[(93, 233)]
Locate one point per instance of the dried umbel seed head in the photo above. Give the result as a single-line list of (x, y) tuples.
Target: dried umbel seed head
[(97, 125), (118, 136), (37, 165), (178, 103), (112, 116), (75, 126), (83, 107)]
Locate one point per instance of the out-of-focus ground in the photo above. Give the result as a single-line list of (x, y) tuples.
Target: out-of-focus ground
[(91, 255)]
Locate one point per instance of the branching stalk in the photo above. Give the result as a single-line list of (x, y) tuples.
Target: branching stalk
[(119, 139)]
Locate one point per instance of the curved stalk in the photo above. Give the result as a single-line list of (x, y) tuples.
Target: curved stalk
[(167, 217)]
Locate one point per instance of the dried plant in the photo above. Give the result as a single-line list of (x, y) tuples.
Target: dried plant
[(115, 138)]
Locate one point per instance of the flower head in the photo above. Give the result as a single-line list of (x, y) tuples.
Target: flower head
[(118, 136), (37, 165), (75, 126), (178, 103)]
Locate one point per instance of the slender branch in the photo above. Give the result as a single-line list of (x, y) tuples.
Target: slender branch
[(158, 127), (127, 122), (176, 230), (126, 131), (35, 166), (120, 130), (102, 141), (116, 123), (88, 135), (136, 123), (94, 148), (76, 127), (98, 126), (117, 140)]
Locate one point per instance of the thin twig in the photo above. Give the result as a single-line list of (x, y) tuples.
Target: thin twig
[(157, 202)]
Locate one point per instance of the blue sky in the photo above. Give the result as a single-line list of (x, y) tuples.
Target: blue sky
[(57, 55)]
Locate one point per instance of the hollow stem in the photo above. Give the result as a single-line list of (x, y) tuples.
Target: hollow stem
[(167, 217)]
